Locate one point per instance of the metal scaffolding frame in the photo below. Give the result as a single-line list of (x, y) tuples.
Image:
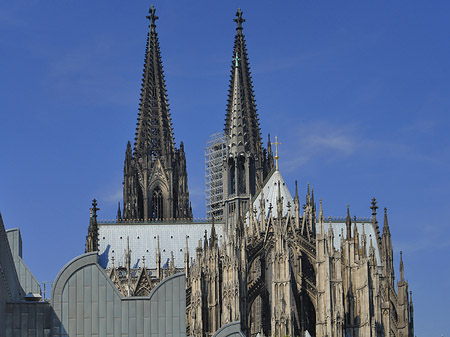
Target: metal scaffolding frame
[(215, 152)]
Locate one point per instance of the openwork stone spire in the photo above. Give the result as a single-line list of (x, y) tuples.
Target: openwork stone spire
[(155, 175), (241, 76), (238, 134), (154, 133), (241, 121)]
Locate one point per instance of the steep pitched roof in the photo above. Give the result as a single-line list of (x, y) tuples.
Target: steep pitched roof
[(274, 184)]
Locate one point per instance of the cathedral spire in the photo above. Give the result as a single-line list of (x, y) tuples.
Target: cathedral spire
[(154, 134), (155, 176), (241, 77), (237, 132)]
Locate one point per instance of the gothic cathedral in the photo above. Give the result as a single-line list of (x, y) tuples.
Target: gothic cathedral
[(270, 264)]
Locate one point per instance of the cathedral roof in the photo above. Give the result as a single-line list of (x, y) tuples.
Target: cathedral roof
[(143, 240), (270, 191)]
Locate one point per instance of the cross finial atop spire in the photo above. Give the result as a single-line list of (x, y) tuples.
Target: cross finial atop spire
[(276, 152), (239, 19), (152, 17)]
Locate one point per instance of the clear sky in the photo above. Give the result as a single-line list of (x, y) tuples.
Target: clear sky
[(358, 92)]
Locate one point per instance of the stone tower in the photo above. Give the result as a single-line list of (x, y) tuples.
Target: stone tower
[(155, 177), (92, 237), (248, 163)]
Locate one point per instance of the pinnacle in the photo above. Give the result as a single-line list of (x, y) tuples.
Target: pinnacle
[(152, 17), (239, 19), (241, 78), (154, 123)]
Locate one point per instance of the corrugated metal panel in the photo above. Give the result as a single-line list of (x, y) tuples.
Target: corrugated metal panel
[(110, 314)]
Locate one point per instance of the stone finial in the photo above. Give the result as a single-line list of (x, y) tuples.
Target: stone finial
[(348, 223), (94, 208), (239, 19), (402, 268), (152, 17), (374, 207)]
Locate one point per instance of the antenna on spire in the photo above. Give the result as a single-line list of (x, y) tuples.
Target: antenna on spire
[(152, 17), (239, 19)]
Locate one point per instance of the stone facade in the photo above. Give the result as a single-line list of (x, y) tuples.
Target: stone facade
[(273, 266), (278, 268), (155, 176)]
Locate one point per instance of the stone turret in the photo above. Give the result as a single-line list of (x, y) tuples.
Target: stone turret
[(92, 237), (155, 176)]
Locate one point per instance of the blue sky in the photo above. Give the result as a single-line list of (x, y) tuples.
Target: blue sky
[(358, 92)]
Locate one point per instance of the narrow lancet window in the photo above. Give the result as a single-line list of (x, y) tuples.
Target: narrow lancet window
[(157, 204)]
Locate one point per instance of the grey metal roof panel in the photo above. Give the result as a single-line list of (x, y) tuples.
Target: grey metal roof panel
[(143, 242), (270, 190)]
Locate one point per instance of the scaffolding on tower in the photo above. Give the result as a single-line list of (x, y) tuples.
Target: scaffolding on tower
[(215, 153)]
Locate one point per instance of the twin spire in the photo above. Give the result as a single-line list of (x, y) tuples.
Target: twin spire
[(154, 132), (241, 122)]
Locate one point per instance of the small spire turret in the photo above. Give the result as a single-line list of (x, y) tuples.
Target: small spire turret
[(348, 223), (213, 237), (402, 268), (119, 213), (308, 197), (158, 259), (386, 230), (92, 237), (279, 202), (321, 219)]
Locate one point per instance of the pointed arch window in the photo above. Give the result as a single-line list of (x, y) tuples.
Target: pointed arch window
[(157, 203)]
